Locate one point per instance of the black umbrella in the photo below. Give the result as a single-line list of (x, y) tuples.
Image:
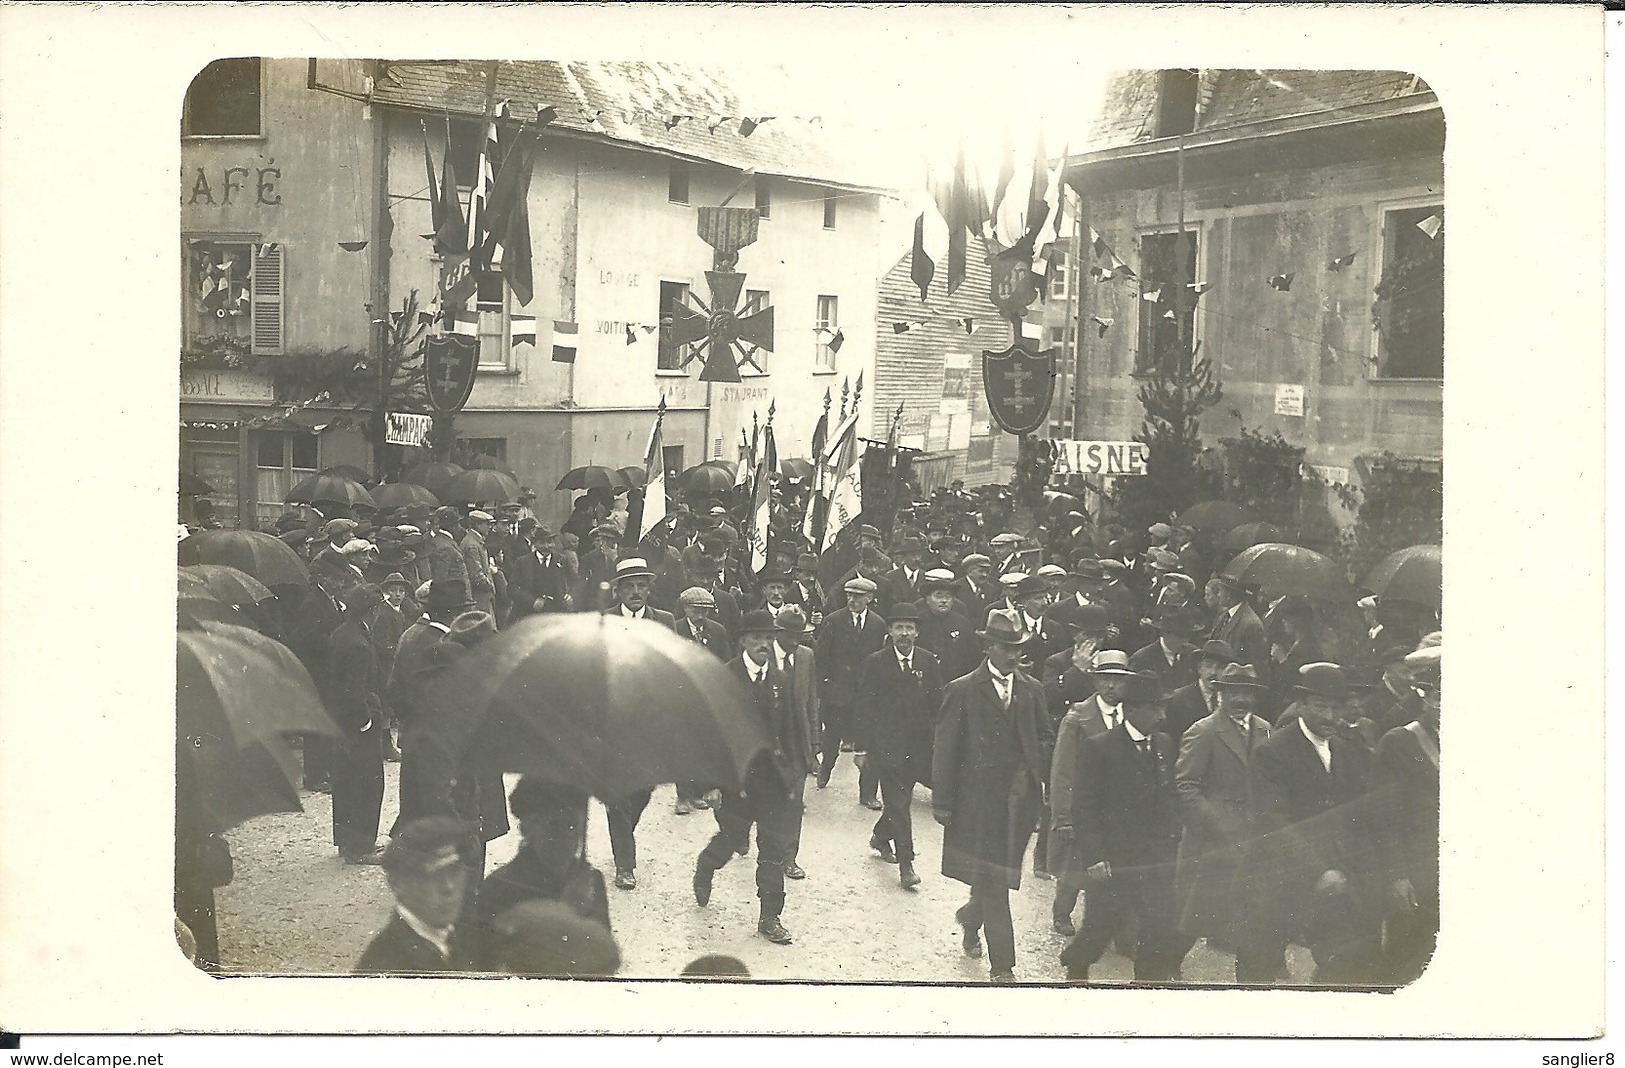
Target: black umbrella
[(400, 494), (264, 556), (434, 476), (796, 468), (1281, 569), (481, 487), (605, 704), (192, 486), (633, 477), (592, 477), (333, 488), (707, 480), (349, 471), (238, 695), (482, 462), (1414, 573), (1249, 534)]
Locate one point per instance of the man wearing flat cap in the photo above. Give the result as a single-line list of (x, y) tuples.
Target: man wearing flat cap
[(1214, 781), (1126, 830), (446, 560), (977, 588), (429, 881), (987, 786), (945, 629), (846, 639), (477, 561)]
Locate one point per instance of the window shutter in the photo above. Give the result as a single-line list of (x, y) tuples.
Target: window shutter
[(266, 294)]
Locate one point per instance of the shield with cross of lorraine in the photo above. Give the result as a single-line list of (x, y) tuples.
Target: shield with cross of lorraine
[(1020, 385), (448, 365)]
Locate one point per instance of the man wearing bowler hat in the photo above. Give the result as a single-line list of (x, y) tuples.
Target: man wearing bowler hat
[(765, 798), (845, 640), (1170, 656), (798, 663), (899, 690), (1214, 782), (1126, 829), (987, 786), (634, 579), (1311, 863)]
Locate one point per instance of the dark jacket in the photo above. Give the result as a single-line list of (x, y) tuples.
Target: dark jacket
[(1405, 808), (526, 878), (711, 634), (896, 712), (1185, 706), (1214, 782), (953, 638), (1124, 810), (399, 950), (842, 648), (769, 782), (1150, 659), (653, 614), (1244, 633), (351, 693)]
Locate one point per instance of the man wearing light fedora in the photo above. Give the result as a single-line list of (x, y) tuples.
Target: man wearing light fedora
[(633, 581), (987, 786), (1214, 781)]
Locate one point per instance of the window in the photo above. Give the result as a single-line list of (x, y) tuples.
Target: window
[(233, 296), (673, 295), (764, 198), (829, 321), (223, 100), (671, 460), (1061, 274), (829, 209), (281, 461), (1409, 310), (1176, 102), (467, 449), (491, 305), (755, 301), (1167, 268), (677, 184)]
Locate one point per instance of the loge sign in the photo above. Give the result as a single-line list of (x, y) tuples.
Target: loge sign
[(1099, 457)]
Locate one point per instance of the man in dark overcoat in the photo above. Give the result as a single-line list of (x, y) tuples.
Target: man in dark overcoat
[(945, 630), (1198, 700), (798, 663), (1214, 783), (898, 694), (987, 785), (1236, 624), (446, 560), (351, 695), (765, 799), (846, 639), (1126, 828)]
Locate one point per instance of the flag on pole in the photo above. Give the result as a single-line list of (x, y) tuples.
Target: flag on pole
[(761, 512), (846, 488), (654, 469), (479, 197), (451, 229), (436, 209), (815, 496)]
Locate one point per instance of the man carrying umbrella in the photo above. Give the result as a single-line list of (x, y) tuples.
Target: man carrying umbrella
[(765, 799), (633, 581), (987, 786)]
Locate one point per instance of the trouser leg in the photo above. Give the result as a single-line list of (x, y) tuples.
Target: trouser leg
[(1041, 849), (1101, 914), (897, 794), (835, 723), (1066, 902), (623, 815), (357, 778), (997, 927), (868, 782), (1162, 947), (774, 830), (733, 832), (798, 791), (318, 758)]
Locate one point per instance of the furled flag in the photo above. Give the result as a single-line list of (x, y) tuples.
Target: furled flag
[(508, 211), (564, 342), (1010, 211), (837, 340), (846, 486), (1431, 225), (523, 330), (654, 470), (451, 231), (930, 248), (761, 512), (1341, 262), (1102, 324), (435, 208), (815, 500), (1047, 231), (1281, 282), (479, 197)]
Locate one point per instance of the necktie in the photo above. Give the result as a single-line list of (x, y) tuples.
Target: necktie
[(908, 664)]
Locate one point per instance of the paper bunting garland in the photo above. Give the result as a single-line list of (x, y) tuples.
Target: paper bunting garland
[(1281, 282), (522, 330), (1198, 288), (352, 246), (564, 342), (1102, 324), (1152, 295), (1431, 225), (1341, 262)]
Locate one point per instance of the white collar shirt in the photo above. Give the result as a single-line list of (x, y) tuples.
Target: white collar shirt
[(1003, 685), (905, 661), (1323, 747), (440, 939), (756, 672), (1111, 715), (642, 613)]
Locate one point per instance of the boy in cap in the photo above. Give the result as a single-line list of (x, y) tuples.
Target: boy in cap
[(987, 786), (845, 640), (427, 877)]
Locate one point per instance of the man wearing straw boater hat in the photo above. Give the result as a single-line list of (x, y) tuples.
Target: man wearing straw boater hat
[(987, 786)]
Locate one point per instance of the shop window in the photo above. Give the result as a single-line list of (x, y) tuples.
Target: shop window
[(233, 297), (829, 321), (281, 460), (673, 295), (1409, 310), (1167, 267), (223, 100)]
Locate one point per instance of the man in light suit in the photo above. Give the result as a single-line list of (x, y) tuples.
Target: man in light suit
[(798, 664), (477, 561), (846, 638), (634, 579), (1236, 624), (1214, 781), (987, 786), (899, 692)]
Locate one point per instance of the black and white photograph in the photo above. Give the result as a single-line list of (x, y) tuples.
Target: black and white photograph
[(670, 519)]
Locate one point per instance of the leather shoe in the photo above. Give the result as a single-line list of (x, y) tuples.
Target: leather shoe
[(906, 875), (793, 871), (1002, 977), (1064, 927), (700, 803), (873, 804), (971, 941), (702, 885), (883, 847), (683, 808), (772, 930), (1043, 874), (625, 880), (373, 856)]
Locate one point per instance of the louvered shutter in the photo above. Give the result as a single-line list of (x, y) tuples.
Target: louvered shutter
[(267, 301)]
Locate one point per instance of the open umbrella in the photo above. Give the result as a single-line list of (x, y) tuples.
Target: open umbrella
[(238, 695), (1411, 574), (481, 487), (1281, 569), (1216, 516), (349, 471), (605, 704), (796, 468), (192, 486), (330, 487), (220, 582), (633, 477), (707, 481), (1249, 534), (264, 556), (434, 476), (400, 494), (592, 477), (482, 462)]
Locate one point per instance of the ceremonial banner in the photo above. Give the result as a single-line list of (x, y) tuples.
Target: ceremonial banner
[(1019, 385), (448, 364), (1100, 457), (404, 428)]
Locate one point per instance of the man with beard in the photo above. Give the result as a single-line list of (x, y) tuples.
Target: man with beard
[(987, 786), (899, 690)]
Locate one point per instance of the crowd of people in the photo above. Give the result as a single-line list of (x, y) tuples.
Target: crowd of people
[(1174, 753)]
